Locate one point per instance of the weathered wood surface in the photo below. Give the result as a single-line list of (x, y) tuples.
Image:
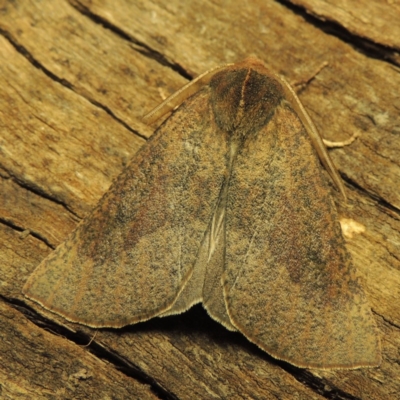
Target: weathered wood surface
[(75, 77), (374, 20)]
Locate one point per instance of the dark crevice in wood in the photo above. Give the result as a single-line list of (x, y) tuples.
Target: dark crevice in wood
[(320, 386), (362, 45), (141, 47), (382, 203), (41, 193), (391, 323), (23, 51), (32, 233), (82, 339), (387, 206), (119, 120)]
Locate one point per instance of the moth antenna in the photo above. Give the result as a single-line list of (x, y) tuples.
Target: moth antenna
[(181, 95)]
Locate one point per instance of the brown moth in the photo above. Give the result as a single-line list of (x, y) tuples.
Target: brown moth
[(226, 205)]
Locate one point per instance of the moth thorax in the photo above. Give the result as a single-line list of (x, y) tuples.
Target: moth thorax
[(244, 100)]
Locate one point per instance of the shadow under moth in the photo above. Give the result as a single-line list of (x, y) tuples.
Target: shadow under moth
[(226, 205)]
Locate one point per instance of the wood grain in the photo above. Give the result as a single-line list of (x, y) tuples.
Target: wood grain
[(374, 20), (75, 77)]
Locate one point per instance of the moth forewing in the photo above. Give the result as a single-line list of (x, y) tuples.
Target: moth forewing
[(133, 256), (319, 146)]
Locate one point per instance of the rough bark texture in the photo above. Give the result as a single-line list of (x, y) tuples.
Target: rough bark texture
[(75, 78)]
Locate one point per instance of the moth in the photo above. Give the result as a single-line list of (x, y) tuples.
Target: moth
[(226, 205)]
